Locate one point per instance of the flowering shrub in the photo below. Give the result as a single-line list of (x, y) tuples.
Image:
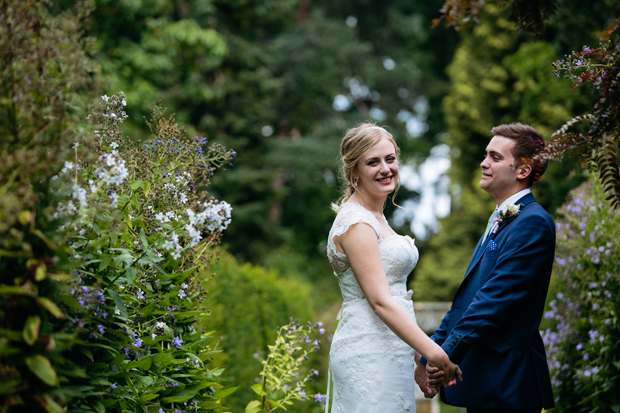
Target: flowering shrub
[(582, 349), (139, 229), (280, 380)]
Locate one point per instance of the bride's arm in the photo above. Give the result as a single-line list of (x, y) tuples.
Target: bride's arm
[(361, 246)]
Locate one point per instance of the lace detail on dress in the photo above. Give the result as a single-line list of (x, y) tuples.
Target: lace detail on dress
[(350, 214), (402, 405)]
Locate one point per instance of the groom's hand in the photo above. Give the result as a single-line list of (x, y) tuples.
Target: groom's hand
[(422, 380), (435, 377)]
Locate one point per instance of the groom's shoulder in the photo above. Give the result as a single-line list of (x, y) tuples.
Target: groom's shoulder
[(534, 214)]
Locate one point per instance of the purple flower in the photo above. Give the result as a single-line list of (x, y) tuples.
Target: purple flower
[(140, 295), (100, 327), (320, 398), (593, 334), (607, 321), (160, 411), (559, 296), (177, 411), (114, 386), (177, 342), (586, 357), (137, 342), (321, 330), (181, 294), (595, 370), (306, 339), (302, 395), (105, 314), (579, 346), (315, 343), (315, 372), (593, 285)]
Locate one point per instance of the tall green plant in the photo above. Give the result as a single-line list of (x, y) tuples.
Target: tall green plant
[(584, 357), (140, 225), (46, 75)]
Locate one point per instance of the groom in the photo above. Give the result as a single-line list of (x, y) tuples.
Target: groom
[(491, 330)]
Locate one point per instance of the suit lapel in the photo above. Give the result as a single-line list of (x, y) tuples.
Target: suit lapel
[(480, 248)]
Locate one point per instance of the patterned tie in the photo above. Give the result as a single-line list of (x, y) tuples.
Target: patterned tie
[(494, 215)]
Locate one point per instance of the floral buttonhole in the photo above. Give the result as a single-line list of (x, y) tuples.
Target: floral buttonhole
[(506, 214)]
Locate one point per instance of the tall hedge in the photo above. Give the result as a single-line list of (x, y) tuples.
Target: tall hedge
[(248, 303)]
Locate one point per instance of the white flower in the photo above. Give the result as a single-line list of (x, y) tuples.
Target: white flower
[(194, 234), (75, 145), (117, 311), (153, 335), (68, 167), (184, 286), (105, 98), (113, 115), (114, 145), (160, 325), (181, 294), (161, 217), (124, 102)]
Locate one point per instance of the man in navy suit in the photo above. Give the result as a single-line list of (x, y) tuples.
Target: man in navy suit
[(491, 330)]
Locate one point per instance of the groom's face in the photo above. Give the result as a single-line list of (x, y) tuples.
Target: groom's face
[(499, 169)]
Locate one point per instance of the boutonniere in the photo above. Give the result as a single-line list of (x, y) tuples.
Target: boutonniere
[(506, 214)]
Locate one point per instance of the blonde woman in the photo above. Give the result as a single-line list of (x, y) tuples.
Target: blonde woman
[(372, 352)]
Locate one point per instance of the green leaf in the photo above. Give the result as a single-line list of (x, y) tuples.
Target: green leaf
[(120, 304), (252, 407), (131, 275), (101, 381), (142, 364), (31, 329), (147, 397), (50, 306), (145, 243), (50, 405), (226, 392), (258, 389), (147, 189), (100, 408), (42, 367), (177, 399)]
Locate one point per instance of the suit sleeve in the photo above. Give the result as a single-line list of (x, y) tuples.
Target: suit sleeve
[(529, 247)]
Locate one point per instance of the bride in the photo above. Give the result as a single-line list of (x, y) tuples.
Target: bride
[(372, 352)]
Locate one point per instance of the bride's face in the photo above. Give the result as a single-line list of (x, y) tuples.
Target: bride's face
[(377, 169)]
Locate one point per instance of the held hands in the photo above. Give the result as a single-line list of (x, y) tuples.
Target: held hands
[(441, 371), (421, 378)]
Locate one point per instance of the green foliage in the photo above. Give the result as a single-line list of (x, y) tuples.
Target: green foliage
[(46, 75), (582, 344), (137, 235), (598, 146), (280, 381), (248, 305)]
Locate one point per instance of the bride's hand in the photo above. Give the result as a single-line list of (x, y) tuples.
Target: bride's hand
[(442, 371)]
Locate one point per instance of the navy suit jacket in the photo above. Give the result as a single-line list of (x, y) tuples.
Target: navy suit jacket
[(491, 330)]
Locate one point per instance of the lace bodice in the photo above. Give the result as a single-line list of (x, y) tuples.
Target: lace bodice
[(398, 253)]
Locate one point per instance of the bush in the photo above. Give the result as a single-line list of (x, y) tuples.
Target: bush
[(582, 345), (46, 75), (248, 304)]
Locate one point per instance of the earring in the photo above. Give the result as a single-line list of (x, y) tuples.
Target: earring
[(355, 182)]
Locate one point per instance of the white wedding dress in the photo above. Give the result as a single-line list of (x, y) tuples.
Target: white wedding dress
[(372, 369)]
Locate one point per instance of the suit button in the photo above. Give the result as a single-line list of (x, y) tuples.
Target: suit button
[(460, 336)]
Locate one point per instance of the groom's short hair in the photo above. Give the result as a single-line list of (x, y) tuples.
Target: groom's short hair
[(528, 142)]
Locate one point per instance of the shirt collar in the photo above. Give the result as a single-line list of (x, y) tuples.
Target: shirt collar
[(514, 198)]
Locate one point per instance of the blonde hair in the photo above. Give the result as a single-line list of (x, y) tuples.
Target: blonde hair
[(356, 142)]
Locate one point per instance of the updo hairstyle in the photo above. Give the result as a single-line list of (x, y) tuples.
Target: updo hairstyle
[(356, 142)]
